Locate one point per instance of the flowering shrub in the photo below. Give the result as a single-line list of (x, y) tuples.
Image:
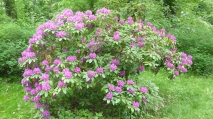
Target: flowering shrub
[(86, 51)]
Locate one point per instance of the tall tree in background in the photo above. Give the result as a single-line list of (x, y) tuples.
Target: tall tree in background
[(10, 8)]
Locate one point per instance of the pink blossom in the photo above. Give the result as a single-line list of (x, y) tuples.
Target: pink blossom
[(109, 96), (118, 89), (135, 104), (77, 70), (45, 86), (99, 70), (79, 26), (26, 97), (143, 89), (91, 74), (61, 84), (120, 83), (130, 82), (113, 67), (111, 87), (92, 55), (71, 58), (46, 114), (45, 77), (122, 73)]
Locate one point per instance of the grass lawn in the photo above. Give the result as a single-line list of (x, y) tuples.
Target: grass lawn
[(12, 105), (187, 97)]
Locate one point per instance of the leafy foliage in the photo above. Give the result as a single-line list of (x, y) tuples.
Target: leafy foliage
[(11, 50)]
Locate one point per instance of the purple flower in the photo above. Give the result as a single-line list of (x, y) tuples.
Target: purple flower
[(143, 89), (99, 70), (111, 87), (176, 73), (116, 36), (90, 44), (116, 18), (38, 106), (141, 68), (26, 97), (113, 67), (132, 44), (23, 81), (77, 70), (28, 88), (30, 55), (189, 56), (91, 74), (48, 68), (38, 88), (189, 62), (122, 73), (59, 16), (120, 83), (184, 62), (121, 21), (140, 44), (45, 62), (56, 69), (45, 86), (144, 100), (36, 71), (148, 23), (109, 96), (184, 55), (57, 61), (130, 82), (79, 26), (36, 98), (131, 90), (67, 73), (71, 58), (115, 61), (92, 17), (170, 65), (47, 107), (45, 77), (103, 11), (88, 12), (184, 70), (78, 51), (83, 59), (92, 55), (130, 20), (33, 92), (60, 34), (28, 72), (179, 67), (118, 89), (46, 114), (67, 12), (61, 84), (135, 104)]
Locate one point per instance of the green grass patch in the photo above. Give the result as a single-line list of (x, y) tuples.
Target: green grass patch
[(187, 97), (12, 105)]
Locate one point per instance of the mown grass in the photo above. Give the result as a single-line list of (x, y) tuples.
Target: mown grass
[(187, 97), (12, 105)]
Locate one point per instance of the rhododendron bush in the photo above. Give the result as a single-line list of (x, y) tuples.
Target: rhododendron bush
[(84, 51)]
